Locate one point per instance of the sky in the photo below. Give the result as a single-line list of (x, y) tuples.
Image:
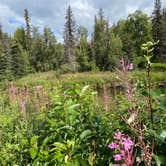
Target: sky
[(51, 13)]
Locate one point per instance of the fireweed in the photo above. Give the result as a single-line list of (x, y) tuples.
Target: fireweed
[(125, 79), (21, 97), (105, 97), (133, 119), (123, 146)]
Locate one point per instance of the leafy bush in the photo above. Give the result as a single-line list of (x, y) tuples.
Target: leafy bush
[(60, 123)]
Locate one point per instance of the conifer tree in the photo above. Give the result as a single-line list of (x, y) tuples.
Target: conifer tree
[(4, 56), (49, 42), (69, 39), (156, 29), (36, 57), (3, 61), (27, 29), (17, 60), (163, 36), (19, 36)]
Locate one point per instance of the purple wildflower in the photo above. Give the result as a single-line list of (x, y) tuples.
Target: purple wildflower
[(130, 66), (117, 157), (124, 145), (118, 135), (127, 142), (23, 108), (113, 145), (105, 97)]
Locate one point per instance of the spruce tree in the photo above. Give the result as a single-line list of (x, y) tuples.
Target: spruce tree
[(17, 60), (49, 42), (37, 52), (19, 36), (3, 61), (163, 36), (27, 29), (4, 56), (156, 29), (69, 39)]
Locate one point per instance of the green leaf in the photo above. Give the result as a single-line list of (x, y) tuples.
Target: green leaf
[(84, 89), (161, 65), (163, 134), (33, 152), (70, 144), (160, 160), (34, 139), (41, 116), (74, 106), (60, 146), (85, 134)]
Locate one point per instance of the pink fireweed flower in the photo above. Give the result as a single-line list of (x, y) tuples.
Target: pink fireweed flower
[(23, 108), (113, 145), (117, 157), (118, 135), (124, 146), (13, 92), (127, 142), (105, 97), (130, 66)]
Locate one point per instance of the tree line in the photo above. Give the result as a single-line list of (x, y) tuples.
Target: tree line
[(29, 50)]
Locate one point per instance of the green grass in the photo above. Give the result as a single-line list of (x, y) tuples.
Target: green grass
[(49, 79)]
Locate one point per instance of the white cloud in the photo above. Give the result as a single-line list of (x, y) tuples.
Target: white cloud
[(6, 16), (83, 8), (131, 9), (52, 12)]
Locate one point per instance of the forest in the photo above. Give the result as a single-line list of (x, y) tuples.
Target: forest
[(29, 51), (94, 99)]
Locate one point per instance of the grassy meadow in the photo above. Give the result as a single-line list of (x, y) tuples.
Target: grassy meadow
[(71, 119)]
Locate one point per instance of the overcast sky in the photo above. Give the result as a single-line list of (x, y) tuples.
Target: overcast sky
[(51, 12)]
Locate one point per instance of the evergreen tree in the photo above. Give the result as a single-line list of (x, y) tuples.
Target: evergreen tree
[(4, 56), (107, 51), (3, 61), (163, 36), (36, 57), (69, 39), (58, 58), (17, 60), (156, 29), (49, 42), (27, 29), (19, 36)]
